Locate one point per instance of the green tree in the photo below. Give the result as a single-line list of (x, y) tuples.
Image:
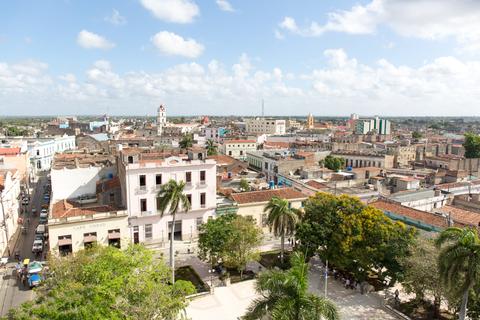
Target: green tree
[(459, 262), (282, 219), (186, 142), (421, 276), (213, 238), (211, 147), (107, 283), (472, 145), (244, 186), (416, 135), (285, 296), (334, 163), (171, 199), (354, 237), (241, 247)]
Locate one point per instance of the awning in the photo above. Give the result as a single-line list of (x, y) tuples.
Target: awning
[(65, 242), (113, 235), (90, 238)]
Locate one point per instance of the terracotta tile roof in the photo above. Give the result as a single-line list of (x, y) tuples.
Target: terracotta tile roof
[(266, 195), (9, 151), (414, 214), (272, 144), (67, 208), (317, 185), (461, 215), (223, 159)]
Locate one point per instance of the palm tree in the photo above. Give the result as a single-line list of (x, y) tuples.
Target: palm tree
[(186, 142), (459, 262), (171, 199), (285, 296), (282, 220), (211, 147)]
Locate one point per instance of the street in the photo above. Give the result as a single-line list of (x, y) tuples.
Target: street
[(13, 293)]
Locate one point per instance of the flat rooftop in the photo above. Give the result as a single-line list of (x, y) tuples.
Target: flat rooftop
[(81, 160)]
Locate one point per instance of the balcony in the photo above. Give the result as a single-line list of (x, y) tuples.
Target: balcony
[(147, 213), (202, 184), (188, 185), (141, 190)]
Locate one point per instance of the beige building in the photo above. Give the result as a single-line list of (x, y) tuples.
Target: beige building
[(253, 203), (265, 126), (238, 148), (403, 155), (310, 121), (359, 160), (74, 226)]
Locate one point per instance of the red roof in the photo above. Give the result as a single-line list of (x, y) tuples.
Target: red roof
[(266, 195), (239, 141), (9, 151), (317, 185), (67, 208)]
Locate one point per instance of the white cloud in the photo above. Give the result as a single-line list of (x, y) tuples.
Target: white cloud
[(443, 86), (278, 35), (116, 18), (90, 40), (224, 5), (178, 11), (425, 19), (170, 43)]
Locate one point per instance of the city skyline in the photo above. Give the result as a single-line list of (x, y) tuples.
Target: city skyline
[(223, 57)]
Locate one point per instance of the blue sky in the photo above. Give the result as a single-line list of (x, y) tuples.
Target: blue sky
[(391, 57)]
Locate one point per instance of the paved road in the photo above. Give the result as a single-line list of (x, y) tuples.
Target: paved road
[(12, 294)]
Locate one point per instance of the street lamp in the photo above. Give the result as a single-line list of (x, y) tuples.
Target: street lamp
[(211, 272)]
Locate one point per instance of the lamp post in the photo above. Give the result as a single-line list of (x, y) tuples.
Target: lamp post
[(211, 271), (326, 277)]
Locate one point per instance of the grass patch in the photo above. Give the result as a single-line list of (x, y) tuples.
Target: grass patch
[(187, 273), (271, 259), (422, 310)]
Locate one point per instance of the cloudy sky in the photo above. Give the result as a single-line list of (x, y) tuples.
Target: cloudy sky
[(221, 57)]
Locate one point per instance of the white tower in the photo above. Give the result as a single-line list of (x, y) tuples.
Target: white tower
[(161, 119)]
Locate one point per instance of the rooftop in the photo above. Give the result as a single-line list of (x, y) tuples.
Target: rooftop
[(68, 208), (413, 195), (266, 195), (81, 160), (9, 151), (461, 215)]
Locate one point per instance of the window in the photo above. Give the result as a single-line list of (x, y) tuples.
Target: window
[(142, 180), (112, 197), (203, 199), (158, 179), (130, 159), (202, 176), (229, 153), (188, 177), (198, 222), (241, 152), (189, 198), (266, 166), (148, 231), (143, 205), (38, 152)]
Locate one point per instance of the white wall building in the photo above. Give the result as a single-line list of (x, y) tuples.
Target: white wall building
[(265, 125), (42, 150), (9, 206), (238, 148), (142, 173)]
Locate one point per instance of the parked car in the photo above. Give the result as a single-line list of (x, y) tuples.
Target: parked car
[(46, 197), (44, 210), (25, 202), (34, 211), (43, 215), (39, 237), (37, 246), (43, 220)]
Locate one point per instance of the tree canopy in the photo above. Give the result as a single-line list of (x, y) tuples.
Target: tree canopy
[(107, 283), (333, 163), (352, 236), (472, 145), (213, 238)]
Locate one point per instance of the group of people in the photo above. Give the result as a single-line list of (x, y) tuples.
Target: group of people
[(350, 282)]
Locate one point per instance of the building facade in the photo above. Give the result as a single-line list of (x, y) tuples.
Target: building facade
[(265, 126), (238, 148), (375, 125), (42, 150), (142, 173), (9, 206)]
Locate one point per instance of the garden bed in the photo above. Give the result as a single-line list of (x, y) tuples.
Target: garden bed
[(422, 310), (187, 273), (271, 259), (235, 275)]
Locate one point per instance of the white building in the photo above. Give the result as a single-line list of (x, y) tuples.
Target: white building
[(9, 206), (76, 175), (214, 133), (375, 125), (265, 125), (143, 172), (238, 148), (42, 150)]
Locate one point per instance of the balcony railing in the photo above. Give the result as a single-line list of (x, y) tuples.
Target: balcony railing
[(147, 213), (141, 190), (202, 184)]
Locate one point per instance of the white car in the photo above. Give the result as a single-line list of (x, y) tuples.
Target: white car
[(37, 246), (44, 210)]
